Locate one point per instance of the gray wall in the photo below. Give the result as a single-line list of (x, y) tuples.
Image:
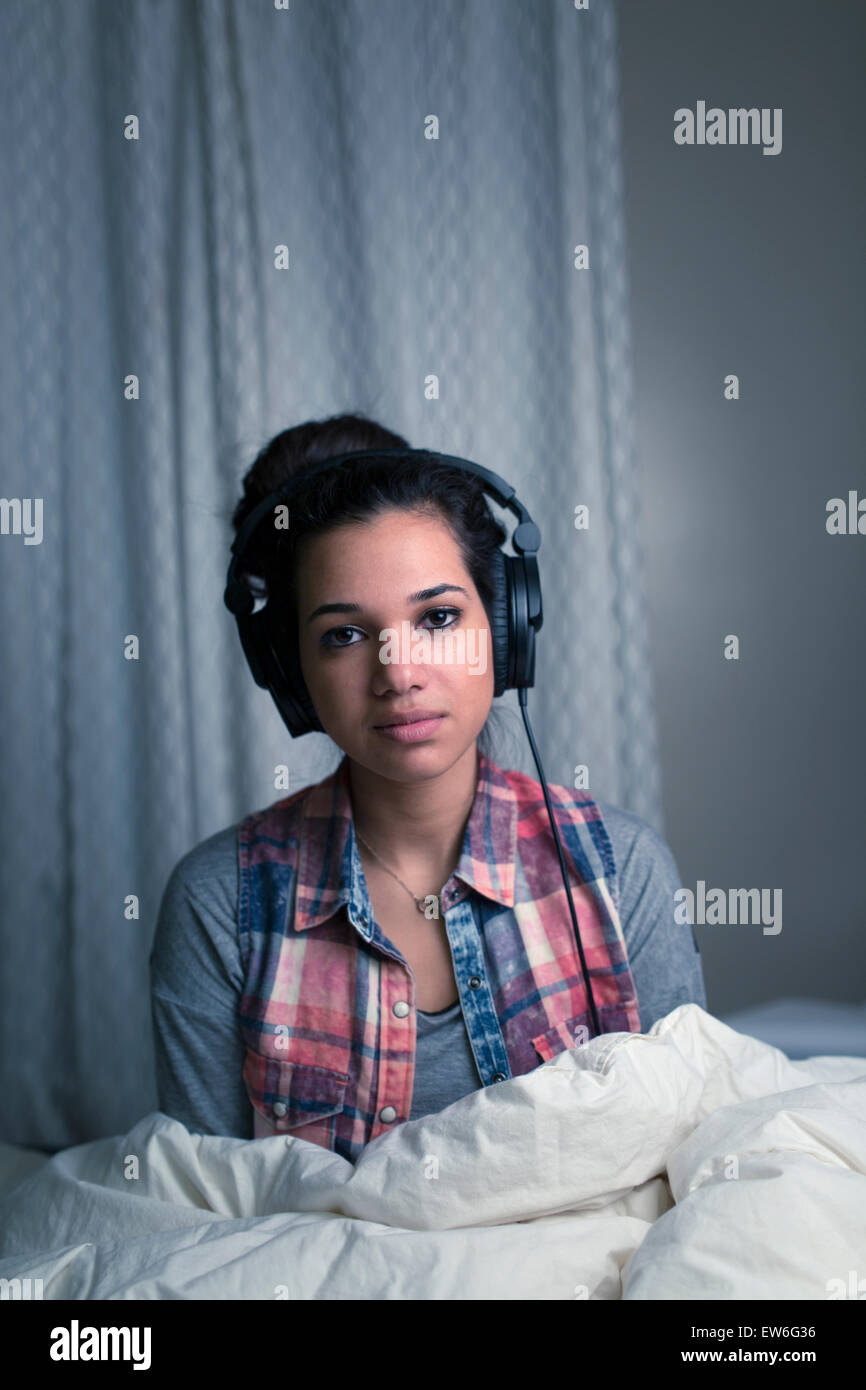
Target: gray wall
[(752, 264)]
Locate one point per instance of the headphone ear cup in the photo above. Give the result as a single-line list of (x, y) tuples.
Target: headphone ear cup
[(499, 623), (307, 719), (286, 683)]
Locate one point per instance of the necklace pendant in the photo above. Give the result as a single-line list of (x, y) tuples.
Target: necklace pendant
[(419, 903)]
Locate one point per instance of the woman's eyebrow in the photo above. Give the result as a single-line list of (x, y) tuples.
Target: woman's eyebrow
[(421, 596)]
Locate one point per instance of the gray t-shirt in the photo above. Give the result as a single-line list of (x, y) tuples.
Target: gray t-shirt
[(197, 980)]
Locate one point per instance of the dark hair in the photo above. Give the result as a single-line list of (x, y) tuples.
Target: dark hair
[(354, 492)]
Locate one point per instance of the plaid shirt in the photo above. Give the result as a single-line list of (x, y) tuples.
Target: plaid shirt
[(328, 1007)]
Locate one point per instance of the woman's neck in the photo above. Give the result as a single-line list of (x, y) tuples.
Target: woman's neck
[(412, 821)]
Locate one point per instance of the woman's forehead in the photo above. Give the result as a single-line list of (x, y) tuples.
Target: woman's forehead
[(395, 537), (398, 554)]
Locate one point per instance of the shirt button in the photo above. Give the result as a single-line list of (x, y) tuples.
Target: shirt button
[(401, 1008), (388, 1115), (474, 981), (280, 1108), (498, 1076)]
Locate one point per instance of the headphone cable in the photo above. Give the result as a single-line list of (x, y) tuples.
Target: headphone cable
[(521, 695)]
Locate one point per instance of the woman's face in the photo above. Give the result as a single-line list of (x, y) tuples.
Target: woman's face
[(376, 656)]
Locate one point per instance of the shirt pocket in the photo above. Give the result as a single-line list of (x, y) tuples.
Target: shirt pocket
[(290, 1094)]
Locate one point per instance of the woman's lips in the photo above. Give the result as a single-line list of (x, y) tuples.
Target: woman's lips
[(412, 733)]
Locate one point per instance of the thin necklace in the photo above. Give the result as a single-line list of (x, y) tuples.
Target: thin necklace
[(420, 903)]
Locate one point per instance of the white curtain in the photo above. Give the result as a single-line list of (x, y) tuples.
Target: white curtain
[(154, 257)]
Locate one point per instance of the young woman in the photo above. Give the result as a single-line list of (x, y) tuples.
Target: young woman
[(374, 947)]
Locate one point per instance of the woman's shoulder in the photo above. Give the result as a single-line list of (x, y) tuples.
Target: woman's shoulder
[(638, 848), (582, 804), (641, 852), (632, 835), (281, 818), (528, 792), (211, 861), (197, 922), (195, 939), (205, 880)]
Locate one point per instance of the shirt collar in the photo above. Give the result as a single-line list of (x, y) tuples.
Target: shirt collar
[(330, 872)]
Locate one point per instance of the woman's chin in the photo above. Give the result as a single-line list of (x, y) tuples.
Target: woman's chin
[(402, 762)]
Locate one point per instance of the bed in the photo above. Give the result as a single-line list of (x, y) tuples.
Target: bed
[(639, 1166)]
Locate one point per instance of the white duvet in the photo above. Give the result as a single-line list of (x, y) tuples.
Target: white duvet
[(692, 1162)]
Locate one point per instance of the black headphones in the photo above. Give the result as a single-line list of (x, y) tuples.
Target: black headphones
[(516, 616)]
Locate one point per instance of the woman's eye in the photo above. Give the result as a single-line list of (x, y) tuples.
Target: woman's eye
[(328, 637), (449, 612), (332, 636)]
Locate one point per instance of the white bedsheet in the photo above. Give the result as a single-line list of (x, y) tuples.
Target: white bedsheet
[(691, 1162)]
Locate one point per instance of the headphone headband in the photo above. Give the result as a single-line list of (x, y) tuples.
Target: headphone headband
[(524, 539)]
